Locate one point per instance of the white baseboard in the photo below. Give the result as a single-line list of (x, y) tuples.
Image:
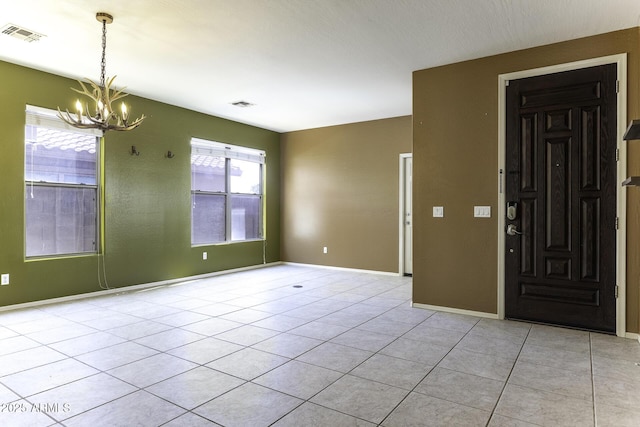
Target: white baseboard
[(133, 288), (354, 270), (630, 335), (455, 310), (633, 336)]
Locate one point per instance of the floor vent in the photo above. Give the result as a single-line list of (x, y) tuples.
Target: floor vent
[(21, 33)]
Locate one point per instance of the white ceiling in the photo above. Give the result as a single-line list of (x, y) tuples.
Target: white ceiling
[(303, 63)]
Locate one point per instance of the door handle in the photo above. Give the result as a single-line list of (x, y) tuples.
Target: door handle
[(512, 230)]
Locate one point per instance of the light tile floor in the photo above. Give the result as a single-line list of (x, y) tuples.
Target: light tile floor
[(344, 349)]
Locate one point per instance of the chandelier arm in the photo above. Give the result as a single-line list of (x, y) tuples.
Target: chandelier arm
[(84, 90), (73, 122), (96, 120), (67, 117), (124, 128), (117, 95), (106, 95)]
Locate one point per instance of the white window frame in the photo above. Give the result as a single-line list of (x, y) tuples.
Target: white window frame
[(229, 152), (46, 118)]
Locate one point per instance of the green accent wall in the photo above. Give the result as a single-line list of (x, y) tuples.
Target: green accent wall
[(147, 197)]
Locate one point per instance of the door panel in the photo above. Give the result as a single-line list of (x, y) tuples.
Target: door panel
[(561, 172), (527, 241)]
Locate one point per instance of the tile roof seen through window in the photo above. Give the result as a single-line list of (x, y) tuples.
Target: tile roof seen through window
[(207, 161), (51, 139), (54, 139)]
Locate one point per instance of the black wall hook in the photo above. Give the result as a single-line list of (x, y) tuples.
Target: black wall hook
[(170, 155), (134, 152)]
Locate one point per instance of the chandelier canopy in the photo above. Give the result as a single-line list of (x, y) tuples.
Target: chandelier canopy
[(101, 97)]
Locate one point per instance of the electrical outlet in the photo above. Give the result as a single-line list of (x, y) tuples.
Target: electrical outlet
[(438, 211), (5, 279), (325, 250), (204, 255)]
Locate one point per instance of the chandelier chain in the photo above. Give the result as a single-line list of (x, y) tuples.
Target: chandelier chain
[(103, 64)]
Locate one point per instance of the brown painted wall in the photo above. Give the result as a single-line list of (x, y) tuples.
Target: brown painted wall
[(340, 190), (455, 155)]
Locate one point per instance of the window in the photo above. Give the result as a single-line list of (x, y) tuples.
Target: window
[(61, 186), (226, 193)]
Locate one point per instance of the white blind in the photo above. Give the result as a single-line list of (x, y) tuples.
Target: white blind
[(218, 149), (38, 116)]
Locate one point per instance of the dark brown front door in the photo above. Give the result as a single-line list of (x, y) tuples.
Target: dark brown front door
[(561, 187)]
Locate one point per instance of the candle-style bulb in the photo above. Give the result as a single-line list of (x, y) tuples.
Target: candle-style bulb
[(79, 110), (124, 111)]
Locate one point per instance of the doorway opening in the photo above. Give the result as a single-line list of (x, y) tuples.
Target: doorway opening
[(405, 263)]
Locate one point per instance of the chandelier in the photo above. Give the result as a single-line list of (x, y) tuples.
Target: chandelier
[(101, 97)]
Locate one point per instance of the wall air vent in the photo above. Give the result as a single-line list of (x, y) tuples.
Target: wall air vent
[(21, 33), (242, 104)]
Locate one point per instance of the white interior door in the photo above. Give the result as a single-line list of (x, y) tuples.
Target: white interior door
[(406, 216)]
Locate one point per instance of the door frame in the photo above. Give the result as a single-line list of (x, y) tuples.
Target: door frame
[(621, 205), (402, 185)]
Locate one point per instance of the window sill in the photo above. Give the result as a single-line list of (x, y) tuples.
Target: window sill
[(59, 257), (233, 242)]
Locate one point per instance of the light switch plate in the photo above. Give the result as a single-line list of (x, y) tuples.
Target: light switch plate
[(5, 279), (482, 211), (438, 211)]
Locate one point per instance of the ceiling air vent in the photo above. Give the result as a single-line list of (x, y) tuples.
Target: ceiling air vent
[(21, 33), (242, 104)]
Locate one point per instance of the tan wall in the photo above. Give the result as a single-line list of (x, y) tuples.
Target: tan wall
[(455, 155), (340, 190)]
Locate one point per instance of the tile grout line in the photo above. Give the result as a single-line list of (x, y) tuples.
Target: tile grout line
[(164, 352), (430, 370), (344, 374), (308, 400), (593, 382), (327, 341), (506, 381), (280, 332)]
